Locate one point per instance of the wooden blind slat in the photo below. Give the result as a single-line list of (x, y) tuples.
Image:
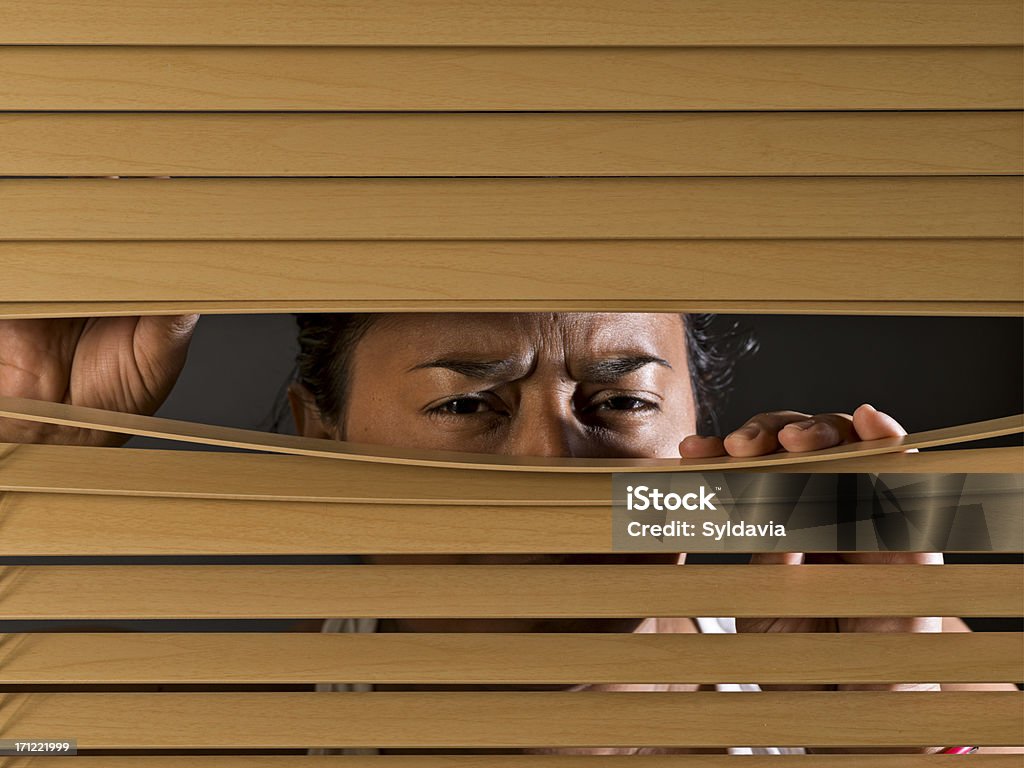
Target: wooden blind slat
[(70, 524), (483, 591), (137, 472), (18, 310), (208, 434), (514, 22), (518, 719), (66, 524), (501, 658), (886, 125), (402, 209), (490, 79), (562, 144), (597, 271), (263, 477)]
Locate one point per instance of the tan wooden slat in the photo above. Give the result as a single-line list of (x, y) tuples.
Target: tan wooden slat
[(514, 22), (20, 310), (494, 591), (171, 473), (261, 477), (508, 761), (499, 144), (518, 719), (404, 79), (70, 524), (502, 659), (66, 524), (208, 434), (597, 272), (534, 208)]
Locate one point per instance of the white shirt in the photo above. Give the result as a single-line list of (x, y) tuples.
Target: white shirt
[(704, 625)]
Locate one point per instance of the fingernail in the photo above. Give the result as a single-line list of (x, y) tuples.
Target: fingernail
[(869, 406), (749, 432), (802, 424)]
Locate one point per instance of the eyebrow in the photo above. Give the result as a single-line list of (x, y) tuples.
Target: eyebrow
[(475, 369), (603, 371), (611, 369)]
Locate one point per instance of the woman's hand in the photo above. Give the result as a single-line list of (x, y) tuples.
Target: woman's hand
[(126, 364), (795, 432)]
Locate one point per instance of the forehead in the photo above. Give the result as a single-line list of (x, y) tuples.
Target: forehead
[(569, 333)]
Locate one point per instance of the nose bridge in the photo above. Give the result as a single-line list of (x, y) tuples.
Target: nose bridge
[(543, 426)]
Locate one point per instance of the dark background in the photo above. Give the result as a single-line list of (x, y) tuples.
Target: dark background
[(927, 372)]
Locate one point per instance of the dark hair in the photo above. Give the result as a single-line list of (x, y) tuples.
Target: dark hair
[(324, 360), (326, 341), (713, 351)]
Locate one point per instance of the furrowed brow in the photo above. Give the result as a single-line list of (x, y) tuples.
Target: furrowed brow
[(613, 368), (476, 369)]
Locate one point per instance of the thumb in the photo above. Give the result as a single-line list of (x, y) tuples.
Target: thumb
[(161, 330), (161, 346)]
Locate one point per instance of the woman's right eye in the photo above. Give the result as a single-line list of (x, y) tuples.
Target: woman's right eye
[(462, 406)]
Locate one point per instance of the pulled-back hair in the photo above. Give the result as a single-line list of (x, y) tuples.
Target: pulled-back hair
[(326, 341)]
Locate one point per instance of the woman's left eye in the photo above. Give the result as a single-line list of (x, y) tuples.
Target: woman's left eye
[(625, 403)]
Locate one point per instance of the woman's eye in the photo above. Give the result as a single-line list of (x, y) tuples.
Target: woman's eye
[(462, 406), (625, 403)]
